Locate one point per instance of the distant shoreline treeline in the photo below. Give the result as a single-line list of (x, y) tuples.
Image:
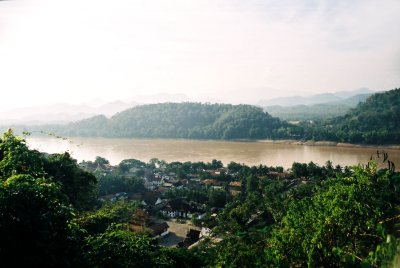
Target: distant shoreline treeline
[(178, 120), (375, 121)]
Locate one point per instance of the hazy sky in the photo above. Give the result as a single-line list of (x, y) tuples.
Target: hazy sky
[(230, 50)]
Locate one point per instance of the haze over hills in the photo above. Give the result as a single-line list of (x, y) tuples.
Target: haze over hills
[(314, 99), (62, 113), (375, 121), (179, 120), (318, 111)]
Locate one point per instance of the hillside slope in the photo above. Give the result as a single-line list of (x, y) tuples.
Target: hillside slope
[(375, 121), (319, 111), (181, 120)]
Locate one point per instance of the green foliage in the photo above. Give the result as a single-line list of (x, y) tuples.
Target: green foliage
[(240, 250), (314, 172), (34, 223), (276, 198), (243, 229), (38, 226), (92, 127), (328, 217), (111, 183), (252, 184), (101, 161), (16, 158), (182, 257), (341, 224), (119, 248), (217, 198), (215, 164), (311, 112), (180, 120), (127, 164), (375, 121), (195, 195), (234, 167), (78, 185), (97, 221), (338, 218), (126, 177)]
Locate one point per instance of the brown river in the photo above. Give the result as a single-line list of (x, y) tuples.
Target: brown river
[(250, 153)]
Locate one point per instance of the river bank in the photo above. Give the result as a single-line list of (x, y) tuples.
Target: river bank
[(269, 141), (266, 152), (329, 143)]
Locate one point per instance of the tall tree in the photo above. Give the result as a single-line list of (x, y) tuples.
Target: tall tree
[(34, 223)]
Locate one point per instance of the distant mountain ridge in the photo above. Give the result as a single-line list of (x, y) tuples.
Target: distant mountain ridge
[(314, 99), (373, 121), (318, 111), (63, 113)]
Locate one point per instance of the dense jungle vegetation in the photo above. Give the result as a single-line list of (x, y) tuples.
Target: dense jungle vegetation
[(320, 216), (50, 217), (375, 121), (181, 120)]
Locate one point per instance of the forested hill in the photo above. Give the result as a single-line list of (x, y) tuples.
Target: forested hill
[(316, 112), (181, 120), (375, 121)]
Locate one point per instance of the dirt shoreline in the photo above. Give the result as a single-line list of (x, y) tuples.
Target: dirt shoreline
[(330, 143)]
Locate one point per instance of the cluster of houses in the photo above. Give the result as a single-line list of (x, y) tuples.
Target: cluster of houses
[(158, 181), (143, 222), (170, 208), (155, 206), (163, 181)]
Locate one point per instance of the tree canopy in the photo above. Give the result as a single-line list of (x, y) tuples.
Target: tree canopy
[(319, 216), (180, 120), (375, 121)]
